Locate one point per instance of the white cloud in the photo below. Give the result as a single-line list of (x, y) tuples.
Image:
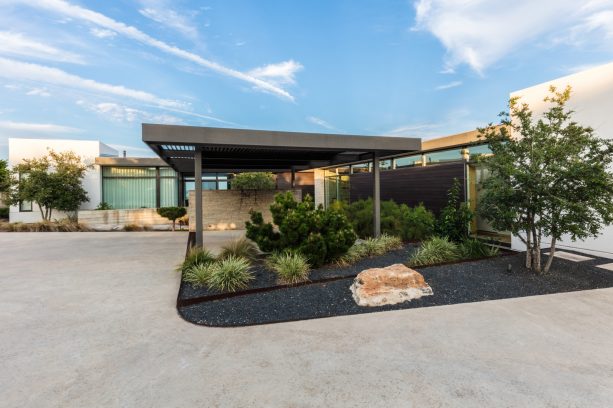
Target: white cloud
[(283, 73), (161, 12), (38, 92), (16, 44), (413, 129), (122, 113), (102, 33), (320, 122), (17, 70), (479, 33), (37, 127), (449, 85), (93, 17)]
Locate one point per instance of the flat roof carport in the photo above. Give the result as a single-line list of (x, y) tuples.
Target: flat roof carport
[(190, 149)]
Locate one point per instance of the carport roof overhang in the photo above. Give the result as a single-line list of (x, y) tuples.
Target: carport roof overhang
[(225, 149)]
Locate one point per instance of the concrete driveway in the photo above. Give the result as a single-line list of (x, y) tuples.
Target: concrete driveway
[(88, 320)]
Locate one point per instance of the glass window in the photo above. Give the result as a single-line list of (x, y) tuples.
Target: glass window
[(209, 176), (209, 185), (360, 168), (343, 170), (222, 185), (25, 206), (475, 151), (167, 172), (408, 161), (129, 192), (444, 156), (169, 192), (385, 165)]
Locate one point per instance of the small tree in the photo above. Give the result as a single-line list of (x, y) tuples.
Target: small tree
[(172, 213), (553, 179), (454, 220), (5, 177), (53, 182), (253, 181)]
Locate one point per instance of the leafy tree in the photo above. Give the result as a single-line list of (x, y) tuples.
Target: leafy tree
[(553, 179), (253, 181), (172, 213), (53, 182), (5, 177), (318, 234), (454, 219)]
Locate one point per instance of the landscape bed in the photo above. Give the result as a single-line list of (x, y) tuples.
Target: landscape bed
[(327, 293)]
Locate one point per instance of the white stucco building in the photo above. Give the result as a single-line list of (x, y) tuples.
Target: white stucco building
[(592, 101)]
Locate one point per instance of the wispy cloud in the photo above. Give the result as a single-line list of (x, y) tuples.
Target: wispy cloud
[(122, 113), (449, 85), (100, 20), (17, 70), (17, 44), (162, 12), (102, 33), (283, 73), (38, 92), (480, 33), (37, 127), (322, 123), (413, 129)]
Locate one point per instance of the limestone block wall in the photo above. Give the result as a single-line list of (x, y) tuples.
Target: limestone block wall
[(229, 209), (118, 218)]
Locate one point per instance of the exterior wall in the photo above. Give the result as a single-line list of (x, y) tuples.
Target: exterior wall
[(592, 102), (20, 149), (116, 219), (229, 209), (320, 186)]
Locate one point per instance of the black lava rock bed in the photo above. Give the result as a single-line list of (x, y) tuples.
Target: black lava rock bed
[(464, 282)]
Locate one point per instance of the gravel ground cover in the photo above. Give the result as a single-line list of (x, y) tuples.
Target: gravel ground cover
[(473, 281)]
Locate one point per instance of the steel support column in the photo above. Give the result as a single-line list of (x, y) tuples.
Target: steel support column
[(198, 200), (376, 195)]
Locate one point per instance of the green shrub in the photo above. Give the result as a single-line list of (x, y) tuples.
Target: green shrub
[(4, 212), (229, 274), (172, 213), (198, 275), (104, 206), (435, 250), (292, 267), (473, 248), (370, 247), (318, 234), (241, 247), (454, 220), (196, 256), (396, 219), (253, 181)]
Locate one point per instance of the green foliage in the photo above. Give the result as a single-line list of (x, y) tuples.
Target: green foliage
[(53, 182), (229, 274), (253, 181), (104, 206), (4, 212), (396, 219), (198, 275), (553, 179), (196, 256), (435, 250), (5, 177), (172, 213), (473, 249), (454, 220), (320, 235), (292, 267), (241, 247), (370, 247)]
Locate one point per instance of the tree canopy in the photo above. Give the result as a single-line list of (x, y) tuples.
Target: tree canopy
[(547, 178), (5, 177), (253, 181)]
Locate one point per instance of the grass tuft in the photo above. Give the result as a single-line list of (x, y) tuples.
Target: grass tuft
[(370, 247), (242, 247), (433, 251), (291, 267), (198, 275), (196, 256), (473, 248), (229, 274)]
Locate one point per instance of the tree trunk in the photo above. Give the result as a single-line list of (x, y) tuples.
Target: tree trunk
[(173, 225), (537, 253), (552, 251), (50, 212), (528, 250), (40, 208)]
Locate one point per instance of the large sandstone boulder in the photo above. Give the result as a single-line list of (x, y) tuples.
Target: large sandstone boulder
[(388, 286)]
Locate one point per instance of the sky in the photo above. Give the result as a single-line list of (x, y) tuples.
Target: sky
[(426, 68)]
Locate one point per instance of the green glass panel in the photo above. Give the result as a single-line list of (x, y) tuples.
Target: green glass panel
[(125, 193), (409, 161), (128, 172), (167, 172), (169, 192)]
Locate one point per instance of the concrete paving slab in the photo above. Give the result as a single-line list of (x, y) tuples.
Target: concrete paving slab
[(89, 319), (608, 266), (570, 256)]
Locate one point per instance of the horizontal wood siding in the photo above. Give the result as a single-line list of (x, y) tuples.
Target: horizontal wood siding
[(412, 185)]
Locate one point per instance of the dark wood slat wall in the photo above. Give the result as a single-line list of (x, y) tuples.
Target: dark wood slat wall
[(412, 185)]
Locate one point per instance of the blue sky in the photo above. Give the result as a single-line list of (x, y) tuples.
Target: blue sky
[(425, 68)]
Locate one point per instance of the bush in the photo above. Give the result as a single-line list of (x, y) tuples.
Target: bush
[(473, 248), (292, 267), (454, 220), (435, 250), (133, 227), (196, 256), (198, 275), (253, 181), (370, 247), (229, 274), (396, 219), (44, 226), (4, 212), (241, 247), (172, 213), (318, 234), (104, 206)]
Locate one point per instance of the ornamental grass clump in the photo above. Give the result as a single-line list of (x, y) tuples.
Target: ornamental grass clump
[(196, 256), (370, 247), (292, 267), (473, 249), (198, 275), (435, 250), (229, 274), (241, 247)]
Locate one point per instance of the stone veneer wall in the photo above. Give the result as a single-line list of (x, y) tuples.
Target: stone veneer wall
[(118, 218), (229, 209)]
